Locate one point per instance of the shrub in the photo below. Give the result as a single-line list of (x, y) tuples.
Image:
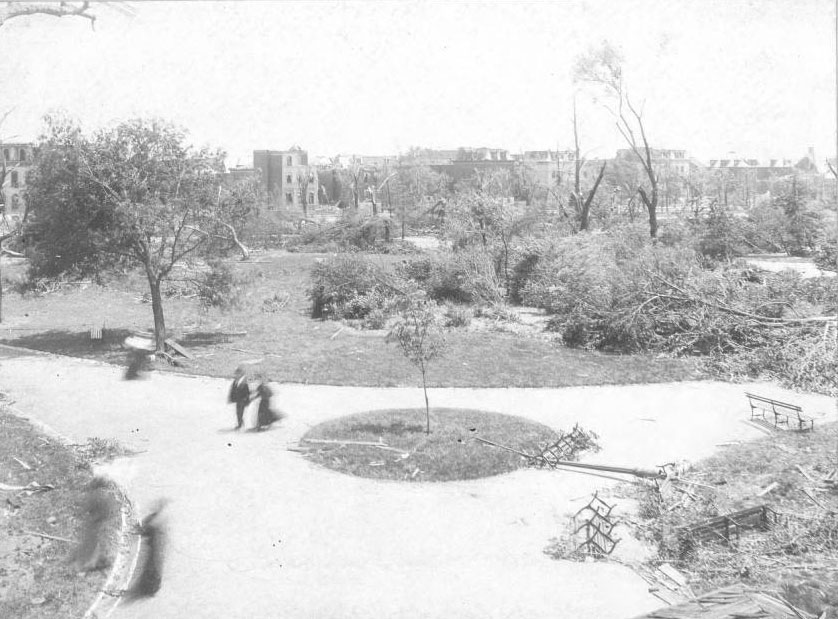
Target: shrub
[(457, 316), (348, 286), (441, 276), (375, 319), (522, 272), (219, 286), (826, 258)]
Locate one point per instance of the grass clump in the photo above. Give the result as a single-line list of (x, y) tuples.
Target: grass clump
[(448, 453)]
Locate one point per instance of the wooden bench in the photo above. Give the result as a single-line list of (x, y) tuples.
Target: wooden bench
[(782, 413)]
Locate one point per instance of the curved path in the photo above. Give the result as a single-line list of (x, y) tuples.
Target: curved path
[(256, 530)]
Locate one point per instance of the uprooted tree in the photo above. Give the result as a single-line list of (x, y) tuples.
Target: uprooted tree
[(135, 194)]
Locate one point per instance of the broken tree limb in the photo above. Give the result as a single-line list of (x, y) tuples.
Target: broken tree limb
[(326, 441), (47, 536), (736, 312), (8, 488), (22, 463), (520, 453), (813, 499), (804, 473), (767, 489)]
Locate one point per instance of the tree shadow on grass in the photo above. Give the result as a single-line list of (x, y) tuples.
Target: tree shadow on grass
[(74, 343), (200, 339)]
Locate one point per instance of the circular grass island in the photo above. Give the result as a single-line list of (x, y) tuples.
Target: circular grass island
[(448, 453)]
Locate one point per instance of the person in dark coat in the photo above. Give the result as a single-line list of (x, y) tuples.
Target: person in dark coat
[(239, 395), (92, 551), (265, 415), (148, 575)]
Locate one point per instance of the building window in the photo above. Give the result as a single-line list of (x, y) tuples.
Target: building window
[(288, 179), (15, 202), (311, 197), (22, 154), (14, 180), (289, 160), (289, 198), (6, 154)]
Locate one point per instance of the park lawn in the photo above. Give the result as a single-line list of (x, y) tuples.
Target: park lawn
[(449, 452), (296, 348), (36, 579)]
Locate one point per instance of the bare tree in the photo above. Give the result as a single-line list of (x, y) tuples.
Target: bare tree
[(603, 67), (582, 203), (304, 181)]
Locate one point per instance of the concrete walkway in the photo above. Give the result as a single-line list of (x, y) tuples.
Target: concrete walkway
[(256, 530)]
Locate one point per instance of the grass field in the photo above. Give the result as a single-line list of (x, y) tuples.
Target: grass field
[(447, 453), (296, 348), (40, 529)]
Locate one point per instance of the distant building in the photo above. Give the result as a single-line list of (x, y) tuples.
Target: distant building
[(428, 157), (286, 176), (239, 173), (18, 159), (739, 180), (762, 169), (664, 160)]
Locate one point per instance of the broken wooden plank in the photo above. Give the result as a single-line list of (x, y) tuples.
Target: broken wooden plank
[(804, 473), (178, 348), (767, 489), (673, 574)]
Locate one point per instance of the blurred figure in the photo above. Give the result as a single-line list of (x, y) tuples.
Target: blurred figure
[(149, 572), (239, 395), (265, 415), (92, 551), (138, 350)]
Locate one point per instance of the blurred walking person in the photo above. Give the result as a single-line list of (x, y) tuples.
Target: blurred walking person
[(138, 352), (239, 395), (92, 552), (265, 416), (148, 575)]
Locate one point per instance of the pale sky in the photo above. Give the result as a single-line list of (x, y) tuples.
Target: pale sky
[(375, 77)]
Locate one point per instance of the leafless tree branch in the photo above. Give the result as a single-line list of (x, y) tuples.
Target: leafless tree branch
[(63, 9)]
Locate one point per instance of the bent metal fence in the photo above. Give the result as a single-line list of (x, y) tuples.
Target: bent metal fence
[(593, 525), (566, 448)]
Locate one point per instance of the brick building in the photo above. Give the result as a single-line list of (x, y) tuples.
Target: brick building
[(18, 159), (287, 177)]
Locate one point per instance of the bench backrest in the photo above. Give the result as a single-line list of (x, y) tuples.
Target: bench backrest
[(775, 404)]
